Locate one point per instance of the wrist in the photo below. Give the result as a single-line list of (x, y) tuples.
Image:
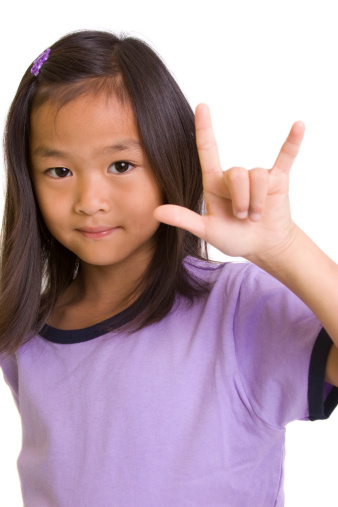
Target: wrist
[(278, 258)]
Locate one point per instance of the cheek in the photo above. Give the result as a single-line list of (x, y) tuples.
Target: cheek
[(52, 207), (153, 193), (143, 205), (139, 219)]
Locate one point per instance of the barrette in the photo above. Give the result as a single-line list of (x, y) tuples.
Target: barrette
[(37, 64)]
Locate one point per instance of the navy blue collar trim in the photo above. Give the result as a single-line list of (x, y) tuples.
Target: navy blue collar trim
[(62, 336)]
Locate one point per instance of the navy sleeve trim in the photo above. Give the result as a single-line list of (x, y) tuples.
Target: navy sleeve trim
[(320, 408)]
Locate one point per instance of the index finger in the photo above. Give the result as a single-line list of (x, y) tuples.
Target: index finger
[(290, 148), (206, 141)]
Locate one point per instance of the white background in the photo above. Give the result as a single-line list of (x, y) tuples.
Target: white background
[(260, 65)]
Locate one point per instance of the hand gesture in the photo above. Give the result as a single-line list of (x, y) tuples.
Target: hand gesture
[(247, 211)]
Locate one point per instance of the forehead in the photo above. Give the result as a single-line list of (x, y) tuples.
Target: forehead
[(88, 118)]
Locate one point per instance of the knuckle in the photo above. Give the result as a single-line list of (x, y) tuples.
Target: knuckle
[(206, 144), (258, 173), (237, 174)]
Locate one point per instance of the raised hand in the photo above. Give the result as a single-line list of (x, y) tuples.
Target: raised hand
[(248, 212)]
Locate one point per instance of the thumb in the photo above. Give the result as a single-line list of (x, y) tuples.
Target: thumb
[(181, 217)]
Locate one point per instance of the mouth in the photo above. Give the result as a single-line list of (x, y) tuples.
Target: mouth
[(97, 232)]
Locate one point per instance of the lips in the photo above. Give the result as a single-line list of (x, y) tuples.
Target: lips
[(97, 232), (94, 230)]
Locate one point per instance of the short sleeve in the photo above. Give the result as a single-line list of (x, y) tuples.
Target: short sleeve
[(281, 352), (322, 397)]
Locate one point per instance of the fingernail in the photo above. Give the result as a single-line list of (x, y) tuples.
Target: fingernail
[(242, 215)]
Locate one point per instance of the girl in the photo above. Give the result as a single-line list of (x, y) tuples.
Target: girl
[(144, 374)]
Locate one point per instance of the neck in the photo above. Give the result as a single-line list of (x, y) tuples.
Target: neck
[(111, 285), (111, 288)]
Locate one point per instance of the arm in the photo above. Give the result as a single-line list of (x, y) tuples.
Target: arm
[(313, 277), (248, 215)]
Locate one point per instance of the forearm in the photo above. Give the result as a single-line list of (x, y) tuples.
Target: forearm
[(310, 274)]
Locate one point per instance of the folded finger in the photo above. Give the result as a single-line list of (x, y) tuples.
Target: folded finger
[(259, 185), (238, 183)]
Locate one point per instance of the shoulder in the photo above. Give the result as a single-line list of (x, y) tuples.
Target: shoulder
[(250, 297), (213, 271), (234, 277)]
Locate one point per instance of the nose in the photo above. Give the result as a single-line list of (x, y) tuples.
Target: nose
[(92, 196)]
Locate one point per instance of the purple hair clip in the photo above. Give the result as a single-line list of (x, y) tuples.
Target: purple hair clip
[(39, 62)]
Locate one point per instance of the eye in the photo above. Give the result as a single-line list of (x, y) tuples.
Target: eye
[(120, 167), (58, 172)]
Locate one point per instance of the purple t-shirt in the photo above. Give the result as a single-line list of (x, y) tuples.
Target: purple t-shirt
[(184, 413)]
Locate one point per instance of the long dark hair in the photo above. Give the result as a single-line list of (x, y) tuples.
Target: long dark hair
[(35, 267)]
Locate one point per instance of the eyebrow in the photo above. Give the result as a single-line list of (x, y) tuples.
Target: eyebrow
[(126, 144)]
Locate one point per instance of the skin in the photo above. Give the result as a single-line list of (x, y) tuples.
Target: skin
[(87, 139), (248, 215)]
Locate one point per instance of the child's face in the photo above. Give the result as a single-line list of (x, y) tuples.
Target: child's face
[(93, 183)]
